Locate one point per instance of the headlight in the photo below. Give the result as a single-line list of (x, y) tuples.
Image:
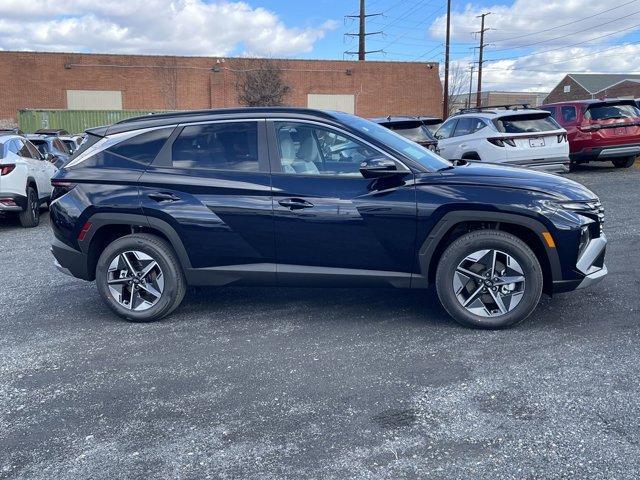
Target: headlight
[(585, 238)]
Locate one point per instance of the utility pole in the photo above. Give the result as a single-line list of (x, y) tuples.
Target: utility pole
[(362, 32), (445, 103), (470, 86), (480, 61)]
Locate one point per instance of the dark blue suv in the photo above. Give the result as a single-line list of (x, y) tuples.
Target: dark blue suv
[(296, 197)]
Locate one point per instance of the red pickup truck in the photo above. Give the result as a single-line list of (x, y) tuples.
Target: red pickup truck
[(600, 130)]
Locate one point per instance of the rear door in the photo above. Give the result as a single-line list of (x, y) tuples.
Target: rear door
[(447, 144), (36, 169), (211, 184), (332, 226)]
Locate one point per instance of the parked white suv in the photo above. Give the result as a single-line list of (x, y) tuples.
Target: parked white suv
[(515, 135), (25, 179)]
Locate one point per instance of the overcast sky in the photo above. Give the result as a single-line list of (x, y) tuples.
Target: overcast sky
[(532, 43)]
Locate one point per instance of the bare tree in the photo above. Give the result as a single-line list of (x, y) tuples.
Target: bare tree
[(261, 85), (458, 88)]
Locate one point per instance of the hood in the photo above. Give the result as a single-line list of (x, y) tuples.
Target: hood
[(494, 175)]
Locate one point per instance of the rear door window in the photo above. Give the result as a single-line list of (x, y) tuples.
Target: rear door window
[(467, 126), (23, 150), (526, 123), (33, 150), (611, 111), (219, 146), (568, 113)]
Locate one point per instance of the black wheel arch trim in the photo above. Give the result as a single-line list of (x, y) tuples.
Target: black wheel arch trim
[(99, 220), (437, 233)]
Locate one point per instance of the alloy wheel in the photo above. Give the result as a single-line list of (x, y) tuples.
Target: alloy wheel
[(135, 280), (489, 283)]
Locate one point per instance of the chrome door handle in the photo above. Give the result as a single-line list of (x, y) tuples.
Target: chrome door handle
[(163, 197), (295, 203)]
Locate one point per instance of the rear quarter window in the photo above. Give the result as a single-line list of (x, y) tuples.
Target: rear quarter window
[(136, 152)]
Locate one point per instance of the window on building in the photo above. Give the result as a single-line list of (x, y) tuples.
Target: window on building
[(566, 89)]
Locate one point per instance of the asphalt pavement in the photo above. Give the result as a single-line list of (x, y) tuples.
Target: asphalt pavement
[(272, 383)]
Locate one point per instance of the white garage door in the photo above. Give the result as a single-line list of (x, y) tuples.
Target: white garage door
[(341, 103), (94, 99)]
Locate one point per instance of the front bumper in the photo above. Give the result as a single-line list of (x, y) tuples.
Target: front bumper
[(71, 261), (605, 153), (591, 262)]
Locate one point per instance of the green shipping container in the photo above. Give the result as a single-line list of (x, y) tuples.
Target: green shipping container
[(73, 121)]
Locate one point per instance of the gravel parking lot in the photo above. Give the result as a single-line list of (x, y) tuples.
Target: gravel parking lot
[(294, 383)]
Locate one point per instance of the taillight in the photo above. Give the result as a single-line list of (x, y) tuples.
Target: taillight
[(501, 142), (60, 188), (7, 169), (562, 137)]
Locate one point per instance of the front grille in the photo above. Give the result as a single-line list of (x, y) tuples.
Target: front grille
[(594, 210)]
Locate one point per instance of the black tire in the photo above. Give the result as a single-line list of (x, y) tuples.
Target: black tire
[(30, 216), (159, 250), (624, 162), (489, 239)]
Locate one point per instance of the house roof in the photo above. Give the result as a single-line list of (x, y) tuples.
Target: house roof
[(596, 82)]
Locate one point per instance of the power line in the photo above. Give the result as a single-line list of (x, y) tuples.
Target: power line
[(562, 36), (570, 23), (563, 47)]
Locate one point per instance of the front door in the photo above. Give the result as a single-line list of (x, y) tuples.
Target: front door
[(331, 224), (211, 183)]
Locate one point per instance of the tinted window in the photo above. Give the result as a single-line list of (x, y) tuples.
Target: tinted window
[(568, 113), (23, 150), (467, 126), (309, 150), (219, 146), (13, 146), (608, 112), (528, 123), (414, 131), (33, 150), (446, 130), (41, 145), (551, 110), (135, 152)]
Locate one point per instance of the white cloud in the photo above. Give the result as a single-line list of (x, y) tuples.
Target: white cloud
[(181, 27), (552, 38)]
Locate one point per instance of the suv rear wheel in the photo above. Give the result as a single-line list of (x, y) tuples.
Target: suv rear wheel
[(489, 279), (624, 162), (30, 216), (140, 278)]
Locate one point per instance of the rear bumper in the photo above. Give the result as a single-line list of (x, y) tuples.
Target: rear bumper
[(605, 153), (13, 202), (556, 164), (71, 261)]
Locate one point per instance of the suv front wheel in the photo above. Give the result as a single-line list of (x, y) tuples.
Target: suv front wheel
[(489, 279), (140, 278)]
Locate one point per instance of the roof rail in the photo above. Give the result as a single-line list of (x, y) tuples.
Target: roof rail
[(511, 106)]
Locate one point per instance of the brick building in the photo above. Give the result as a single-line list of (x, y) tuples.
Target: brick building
[(141, 82), (582, 86)]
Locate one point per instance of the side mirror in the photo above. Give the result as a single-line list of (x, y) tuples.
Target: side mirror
[(49, 157), (378, 167)]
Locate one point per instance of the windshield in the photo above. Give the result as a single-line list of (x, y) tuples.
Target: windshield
[(608, 112), (531, 123), (396, 142)]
